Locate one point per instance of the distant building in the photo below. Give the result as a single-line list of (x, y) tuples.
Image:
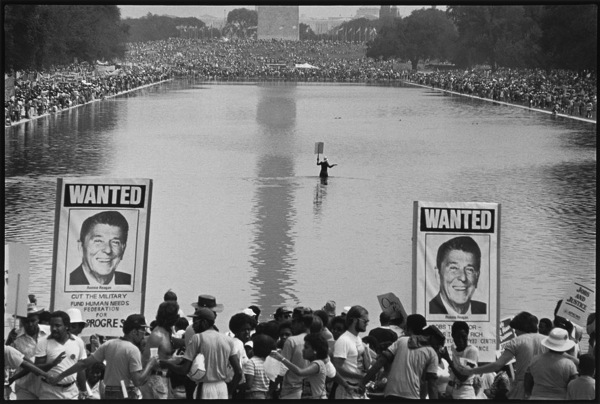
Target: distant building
[(370, 13), (278, 22), (387, 14), (323, 26)]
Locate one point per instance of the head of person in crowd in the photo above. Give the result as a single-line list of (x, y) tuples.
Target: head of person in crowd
[(95, 373), (170, 296), (241, 325), (587, 365), (524, 323), (283, 313), (315, 347), (329, 308), (384, 318), (460, 335), (338, 326), (545, 326), (302, 319), (270, 328), (591, 330), (203, 319), (256, 311), (262, 345), (102, 242), (415, 324), (558, 340), (437, 340), (284, 332), (210, 302), (77, 323), (322, 314), (31, 322), (458, 263), (384, 337), (357, 319), (134, 328), (371, 342), (59, 325), (44, 317), (167, 314), (395, 318), (316, 325), (181, 324), (93, 344), (563, 323), (153, 325)]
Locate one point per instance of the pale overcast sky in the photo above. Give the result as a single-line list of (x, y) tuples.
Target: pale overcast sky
[(135, 11)]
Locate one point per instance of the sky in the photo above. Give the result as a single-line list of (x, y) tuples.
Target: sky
[(137, 11)]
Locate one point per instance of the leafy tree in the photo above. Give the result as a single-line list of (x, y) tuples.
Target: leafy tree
[(570, 36), (427, 34), (493, 34), (424, 34), (152, 28), (306, 32), (37, 36), (386, 44), (241, 22)]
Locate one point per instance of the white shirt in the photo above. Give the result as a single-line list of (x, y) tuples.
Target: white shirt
[(74, 350)]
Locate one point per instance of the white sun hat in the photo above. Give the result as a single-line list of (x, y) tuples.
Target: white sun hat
[(558, 340), (75, 316)]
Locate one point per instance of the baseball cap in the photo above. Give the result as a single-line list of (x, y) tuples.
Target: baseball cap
[(302, 311), (204, 313), (283, 310), (135, 321)]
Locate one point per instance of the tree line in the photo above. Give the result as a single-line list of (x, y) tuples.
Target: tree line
[(533, 36), (546, 36)]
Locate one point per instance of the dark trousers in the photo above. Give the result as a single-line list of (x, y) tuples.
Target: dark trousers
[(190, 386)]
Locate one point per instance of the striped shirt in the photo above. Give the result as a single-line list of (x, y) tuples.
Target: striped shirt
[(255, 367)]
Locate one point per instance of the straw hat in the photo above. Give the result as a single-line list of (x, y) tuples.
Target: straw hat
[(209, 302), (558, 340)]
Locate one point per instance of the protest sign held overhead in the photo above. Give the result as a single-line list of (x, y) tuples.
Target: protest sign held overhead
[(391, 303), (577, 303), (455, 268), (319, 146), (100, 249)]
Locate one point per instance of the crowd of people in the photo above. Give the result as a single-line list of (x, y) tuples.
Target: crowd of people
[(559, 91), (564, 92), (36, 94), (296, 353)]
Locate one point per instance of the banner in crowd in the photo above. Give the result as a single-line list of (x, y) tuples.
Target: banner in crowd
[(100, 250), (104, 69), (577, 303), (456, 271)]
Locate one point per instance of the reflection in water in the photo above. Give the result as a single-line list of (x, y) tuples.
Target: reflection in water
[(273, 246), (320, 194)]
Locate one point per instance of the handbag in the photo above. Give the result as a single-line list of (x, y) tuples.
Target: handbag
[(198, 368)]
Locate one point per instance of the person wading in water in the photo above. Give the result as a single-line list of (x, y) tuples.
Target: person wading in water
[(324, 166)]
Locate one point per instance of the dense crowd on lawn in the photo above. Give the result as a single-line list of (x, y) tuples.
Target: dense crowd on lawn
[(562, 91), (573, 93), (294, 353)]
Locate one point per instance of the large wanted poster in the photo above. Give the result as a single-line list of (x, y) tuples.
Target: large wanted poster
[(100, 250), (456, 271)]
